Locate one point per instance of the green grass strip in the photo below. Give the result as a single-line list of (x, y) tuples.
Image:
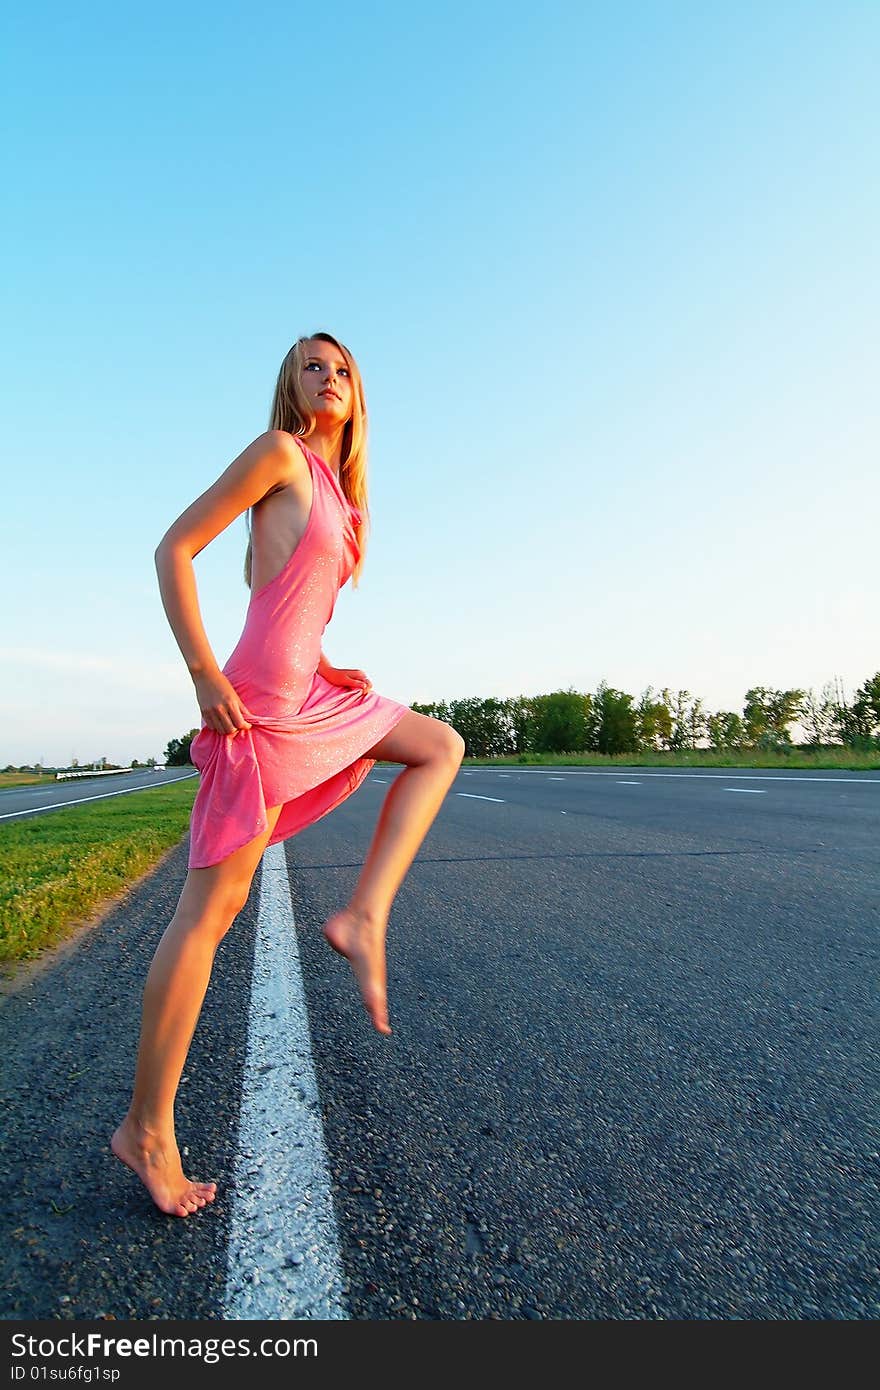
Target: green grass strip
[(800, 757), (59, 868)]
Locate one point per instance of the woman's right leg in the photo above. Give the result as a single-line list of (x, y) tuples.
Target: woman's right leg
[(432, 751), (173, 995)]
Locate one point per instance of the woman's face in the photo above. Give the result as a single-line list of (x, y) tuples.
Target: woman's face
[(326, 381)]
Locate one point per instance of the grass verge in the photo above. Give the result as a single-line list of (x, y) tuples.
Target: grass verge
[(799, 757), (60, 868)]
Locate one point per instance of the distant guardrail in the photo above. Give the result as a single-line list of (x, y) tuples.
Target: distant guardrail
[(106, 772)]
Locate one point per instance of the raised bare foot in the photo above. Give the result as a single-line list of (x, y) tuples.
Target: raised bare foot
[(361, 939), (157, 1164)]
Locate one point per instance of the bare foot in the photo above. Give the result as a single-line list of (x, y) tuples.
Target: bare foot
[(361, 940), (157, 1164)]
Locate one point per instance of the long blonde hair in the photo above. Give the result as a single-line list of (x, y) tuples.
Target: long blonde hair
[(290, 411)]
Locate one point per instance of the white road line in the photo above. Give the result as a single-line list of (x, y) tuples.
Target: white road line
[(554, 778), (383, 780), (102, 796), (628, 784), (474, 797), (283, 1260), (746, 791)]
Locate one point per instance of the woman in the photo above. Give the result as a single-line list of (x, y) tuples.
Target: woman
[(285, 735)]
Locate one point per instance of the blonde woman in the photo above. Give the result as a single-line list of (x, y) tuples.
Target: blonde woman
[(285, 735)]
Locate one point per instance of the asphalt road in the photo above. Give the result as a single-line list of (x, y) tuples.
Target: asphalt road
[(16, 803), (633, 1072)]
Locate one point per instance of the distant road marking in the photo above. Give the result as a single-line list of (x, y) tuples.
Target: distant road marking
[(283, 1258), (101, 796), (382, 780), (475, 797), (628, 784), (746, 791), (555, 778), (703, 776)]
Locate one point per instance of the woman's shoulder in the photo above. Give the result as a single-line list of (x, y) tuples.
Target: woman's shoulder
[(286, 446), (282, 442), (291, 464)]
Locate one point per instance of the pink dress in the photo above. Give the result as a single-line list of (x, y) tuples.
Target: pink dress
[(305, 748)]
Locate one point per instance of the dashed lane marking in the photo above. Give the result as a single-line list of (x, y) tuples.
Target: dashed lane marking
[(703, 776)]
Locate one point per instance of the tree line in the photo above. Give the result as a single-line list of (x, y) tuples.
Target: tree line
[(610, 721)]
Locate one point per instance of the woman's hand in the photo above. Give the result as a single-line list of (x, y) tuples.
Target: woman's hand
[(221, 708), (347, 677)]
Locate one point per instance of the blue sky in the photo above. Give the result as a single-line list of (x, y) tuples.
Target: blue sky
[(610, 275)]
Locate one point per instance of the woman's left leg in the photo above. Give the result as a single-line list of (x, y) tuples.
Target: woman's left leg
[(172, 1000)]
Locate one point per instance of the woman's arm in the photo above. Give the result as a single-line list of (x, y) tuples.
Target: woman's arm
[(177, 585), (265, 464)]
